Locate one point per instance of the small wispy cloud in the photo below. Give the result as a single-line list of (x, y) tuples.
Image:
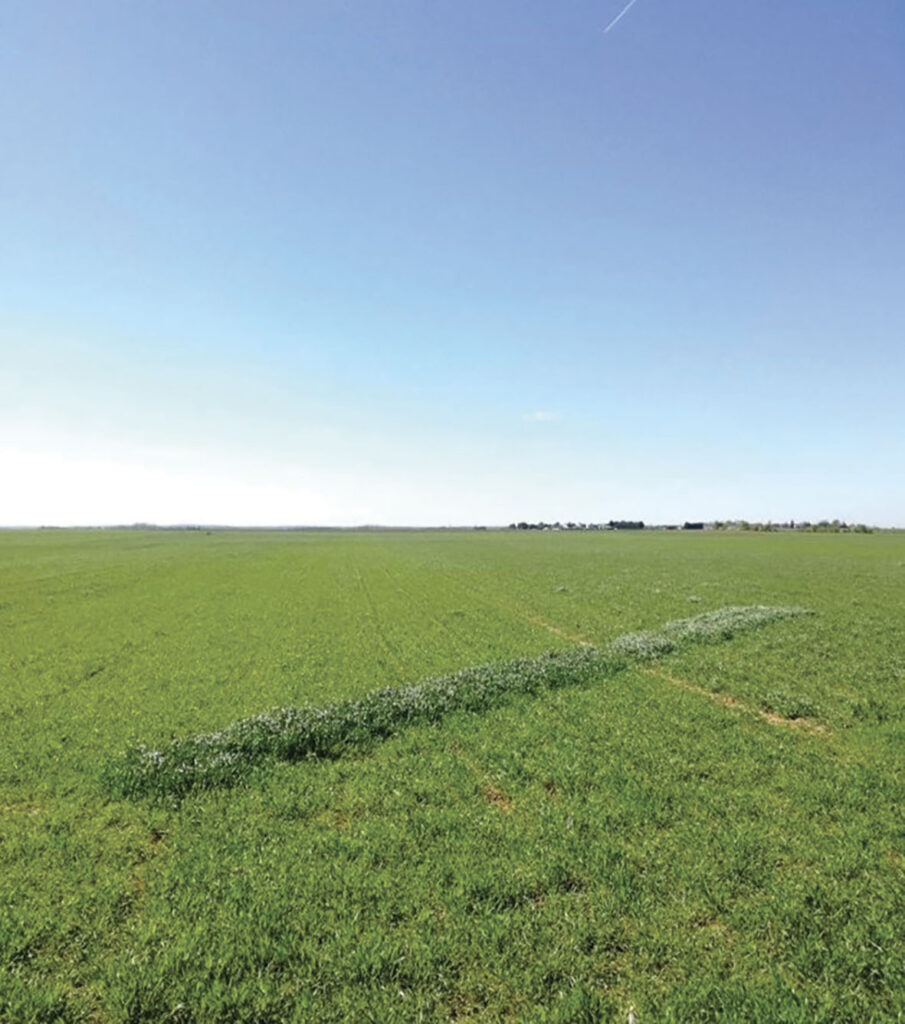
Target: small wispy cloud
[(540, 416), (621, 15)]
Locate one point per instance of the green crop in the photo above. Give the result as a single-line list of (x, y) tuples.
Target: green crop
[(714, 833)]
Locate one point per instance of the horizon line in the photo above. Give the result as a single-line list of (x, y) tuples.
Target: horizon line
[(576, 527)]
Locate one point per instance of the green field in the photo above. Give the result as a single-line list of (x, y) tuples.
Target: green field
[(715, 834)]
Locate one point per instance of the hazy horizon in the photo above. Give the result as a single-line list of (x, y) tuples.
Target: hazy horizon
[(577, 525)]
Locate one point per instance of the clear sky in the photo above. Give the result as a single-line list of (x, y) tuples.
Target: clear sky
[(451, 261)]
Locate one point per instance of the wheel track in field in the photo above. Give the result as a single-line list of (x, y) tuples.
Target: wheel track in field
[(808, 725), (475, 593), (484, 604), (376, 623), (488, 789), (411, 597), (416, 599), (532, 618), (539, 621)]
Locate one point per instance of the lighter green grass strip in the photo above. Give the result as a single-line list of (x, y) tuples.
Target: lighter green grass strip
[(294, 733)]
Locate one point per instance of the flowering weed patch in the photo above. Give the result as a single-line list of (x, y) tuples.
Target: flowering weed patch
[(293, 733), (721, 624)]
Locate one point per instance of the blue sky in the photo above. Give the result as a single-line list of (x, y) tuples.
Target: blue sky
[(451, 262)]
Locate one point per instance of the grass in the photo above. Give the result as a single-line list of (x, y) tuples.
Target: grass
[(557, 855)]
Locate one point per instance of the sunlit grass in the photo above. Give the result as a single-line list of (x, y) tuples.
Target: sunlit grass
[(657, 835)]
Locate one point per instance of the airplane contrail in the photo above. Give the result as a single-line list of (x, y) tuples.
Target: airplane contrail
[(621, 14)]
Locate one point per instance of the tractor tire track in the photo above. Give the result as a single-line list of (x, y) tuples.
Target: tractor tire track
[(808, 725)]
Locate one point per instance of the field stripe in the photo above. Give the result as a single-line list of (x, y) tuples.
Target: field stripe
[(294, 733)]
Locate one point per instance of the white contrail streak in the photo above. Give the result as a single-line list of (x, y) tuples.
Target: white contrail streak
[(621, 14)]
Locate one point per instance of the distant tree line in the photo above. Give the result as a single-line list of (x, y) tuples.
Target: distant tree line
[(823, 526)]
